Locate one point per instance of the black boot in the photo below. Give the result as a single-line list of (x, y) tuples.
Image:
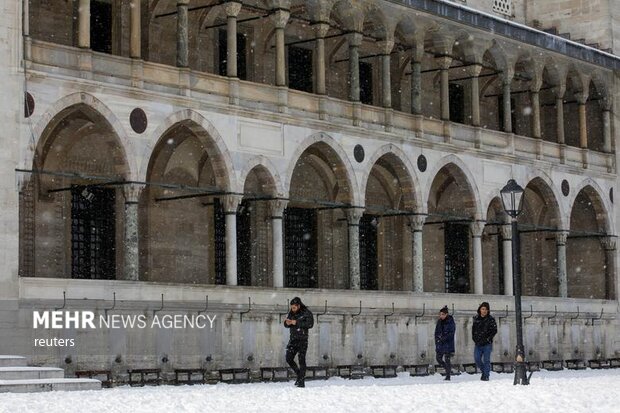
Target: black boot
[(447, 378), (300, 382)]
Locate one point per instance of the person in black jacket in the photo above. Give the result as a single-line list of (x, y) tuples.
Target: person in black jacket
[(444, 340), (483, 330), (299, 320)]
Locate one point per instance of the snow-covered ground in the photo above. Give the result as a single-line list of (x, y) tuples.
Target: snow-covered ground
[(586, 391)]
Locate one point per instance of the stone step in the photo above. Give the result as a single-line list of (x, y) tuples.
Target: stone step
[(29, 373), (12, 361), (41, 385)]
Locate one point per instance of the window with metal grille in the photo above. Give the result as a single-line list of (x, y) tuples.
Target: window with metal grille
[(366, 83), (219, 225), (368, 253), (93, 220), (101, 26), (300, 69), (456, 237), (503, 7), (457, 102), (300, 248), (244, 244)]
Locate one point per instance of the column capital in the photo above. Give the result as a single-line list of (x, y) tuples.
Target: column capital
[(132, 192), (280, 18), (609, 243), (606, 103), (416, 222), (231, 202), (354, 215), (581, 97), (232, 8), (182, 3), (320, 29), (417, 52), (506, 232), (385, 46), (473, 70), (277, 207), (507, 76), (560, 237), (559, 91), (355, 39), (443, 62), (477, 228)]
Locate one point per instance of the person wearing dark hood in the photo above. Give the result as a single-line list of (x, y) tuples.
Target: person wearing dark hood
[(299, 320), (483, 330), (444, 340)]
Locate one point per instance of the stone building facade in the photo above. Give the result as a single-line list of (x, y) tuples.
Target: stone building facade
[(350, 152)]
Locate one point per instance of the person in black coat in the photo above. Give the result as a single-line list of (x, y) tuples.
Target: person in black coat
[(444, 340), (299, 320), (483, 329)]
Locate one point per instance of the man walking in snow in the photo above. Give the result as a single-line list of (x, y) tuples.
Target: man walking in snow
[(299, 320), (483, 330), (444, 340)]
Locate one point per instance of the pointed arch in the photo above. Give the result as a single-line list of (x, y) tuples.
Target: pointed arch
[(267, 170), (341, 166), (208, 136), (599, 202), (456, 164), (407, 178), (55, 114)]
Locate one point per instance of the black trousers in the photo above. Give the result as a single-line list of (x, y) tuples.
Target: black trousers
[(444, 360), (297, 347)]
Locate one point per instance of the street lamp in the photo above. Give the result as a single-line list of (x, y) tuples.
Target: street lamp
[(512, 197)]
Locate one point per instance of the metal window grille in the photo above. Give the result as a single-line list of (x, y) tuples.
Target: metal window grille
[(368, 252), (93, 220), (300, 251), (456, 258), (503, 7)]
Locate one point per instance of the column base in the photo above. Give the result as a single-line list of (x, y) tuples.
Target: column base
[(137, 73), (539, 149), (389, 120), (184, 82), (585, 157), (233, 91), (447, 131), (323, 113), (563, 153), (357, 113), (282, 99), (85, 64)]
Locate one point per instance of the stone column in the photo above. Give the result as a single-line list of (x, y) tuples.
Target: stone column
[(607, 125), (135, 36), (416, 87), (232, 9), (506, 89), (353, 222), (506, 233), (84, 24), (385, 48), (444, 65), (475, 94), (559, 107), (320, 31), (182, 33), (560, 242), (276, 208), (416, 224), (132, 257), (280, 18), (609, 244), (535, 100), (582, 98), (355, 41), (230, 203), (477, 227)]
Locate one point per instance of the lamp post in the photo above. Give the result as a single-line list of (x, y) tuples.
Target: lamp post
[(512, 197)]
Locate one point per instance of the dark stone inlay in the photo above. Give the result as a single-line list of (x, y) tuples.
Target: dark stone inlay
[(565, 187), (358, 153), (611, 195), (28, 105), (138, 120), (422, 163)]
